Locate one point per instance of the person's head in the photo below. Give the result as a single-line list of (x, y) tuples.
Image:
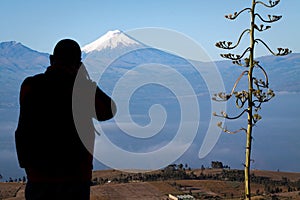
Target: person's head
[(67, 53)]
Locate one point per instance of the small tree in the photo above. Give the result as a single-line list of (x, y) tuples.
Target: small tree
[(216, 165), (258, 91)]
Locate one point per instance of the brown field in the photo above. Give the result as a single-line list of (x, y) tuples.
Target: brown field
[(274, 175), (126, 191), (207, 188), (153, 190), (13, 191), (277, 175)]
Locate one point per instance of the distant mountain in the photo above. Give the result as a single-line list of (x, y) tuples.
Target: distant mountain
[(16, 62), (119, 53), (107, 48), (16, 57)]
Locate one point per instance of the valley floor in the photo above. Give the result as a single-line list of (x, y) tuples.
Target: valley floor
[(112, 187)]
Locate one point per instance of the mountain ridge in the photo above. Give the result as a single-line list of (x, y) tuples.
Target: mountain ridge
[(18, 61)]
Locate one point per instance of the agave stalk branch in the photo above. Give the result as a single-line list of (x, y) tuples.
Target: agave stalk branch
[(272, 18), (241, 98), (224, 129), (227, 45), (271, 5), (235, 57), (265, 74), (270, 50), (281, 51), (262, 27), (236, 14), (225, 115), (225, 97), (238, 80)]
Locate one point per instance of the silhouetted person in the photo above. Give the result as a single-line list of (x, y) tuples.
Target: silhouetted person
[(57, 159)]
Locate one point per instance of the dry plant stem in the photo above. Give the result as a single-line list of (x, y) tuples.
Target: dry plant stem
[(250, 103)]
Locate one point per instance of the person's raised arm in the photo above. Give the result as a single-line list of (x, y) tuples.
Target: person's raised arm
[(105, 107)]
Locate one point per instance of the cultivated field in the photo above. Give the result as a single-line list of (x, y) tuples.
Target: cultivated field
[(109, 188)]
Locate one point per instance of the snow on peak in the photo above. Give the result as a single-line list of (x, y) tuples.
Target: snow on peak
[(111, 40)]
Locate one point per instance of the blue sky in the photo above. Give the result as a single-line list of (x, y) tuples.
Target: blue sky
[(40, 24)]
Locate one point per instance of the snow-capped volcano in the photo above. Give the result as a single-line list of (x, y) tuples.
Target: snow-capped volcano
[(111, 40)]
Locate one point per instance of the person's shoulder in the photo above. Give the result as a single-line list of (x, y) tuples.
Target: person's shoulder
[(29, 84), (32, 80)]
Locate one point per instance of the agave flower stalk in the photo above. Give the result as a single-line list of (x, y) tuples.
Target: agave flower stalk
[(258, 91)]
